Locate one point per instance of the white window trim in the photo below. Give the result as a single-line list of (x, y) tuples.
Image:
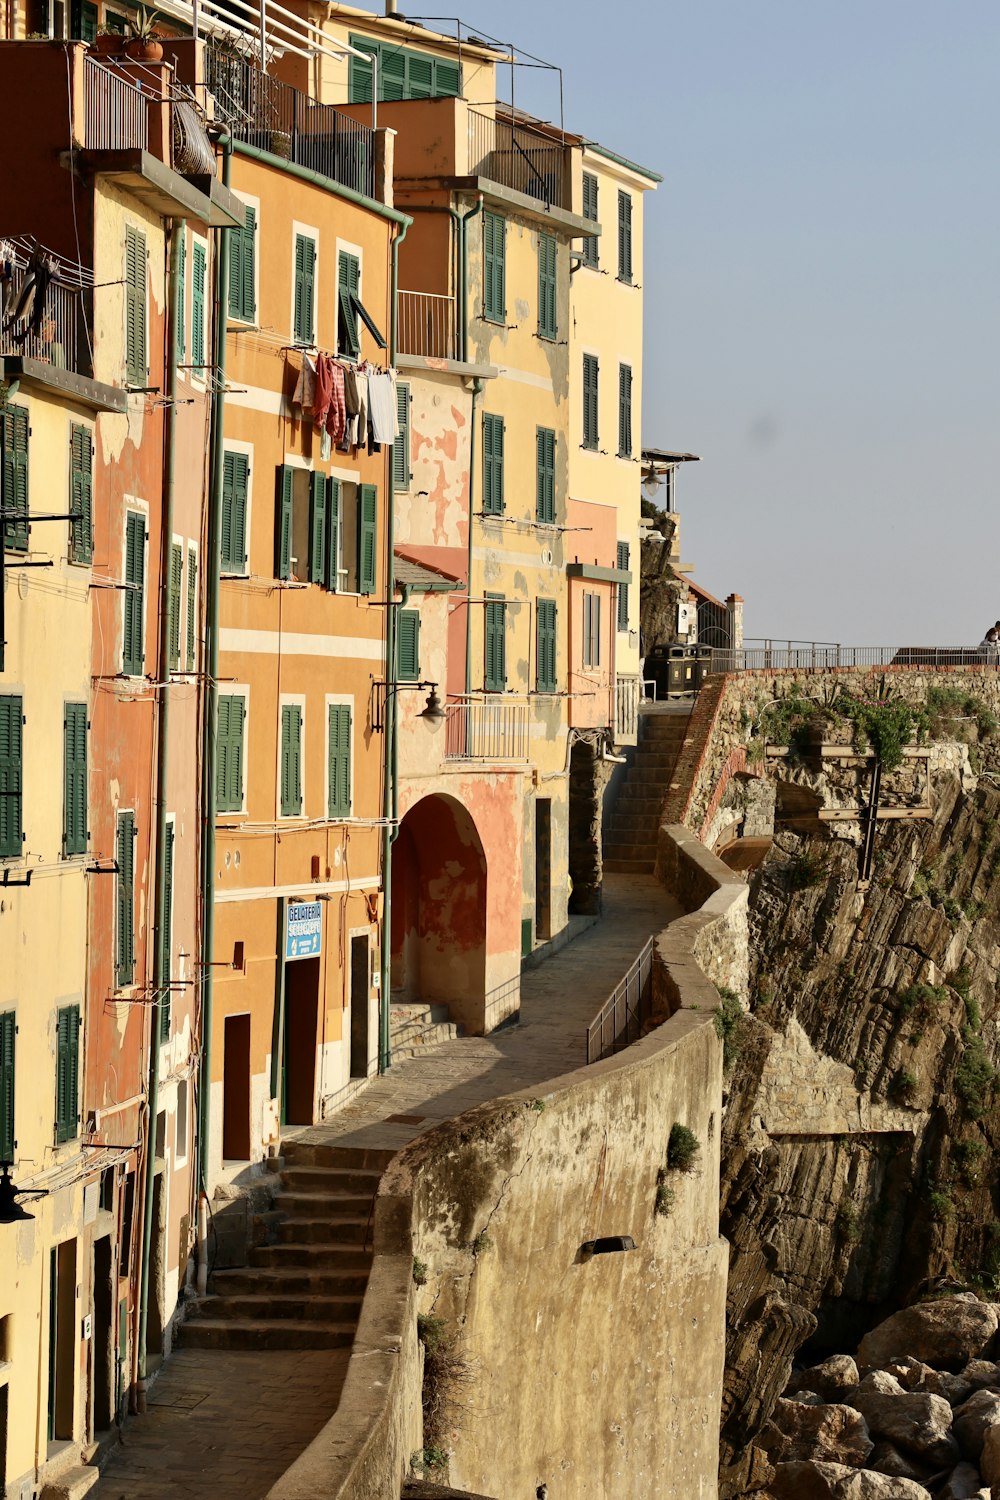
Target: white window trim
[(238, 690), (309, 232), (287, 700), (594, 659), (191, 550), (329, 702), (139, 507), (249, 201), (230, 445)]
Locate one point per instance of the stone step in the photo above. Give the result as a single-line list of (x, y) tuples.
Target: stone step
[(415, 1044), (335, 1230), (301, 1153), (246, 1333), (639, 799), (330, 1179), (417, 1013), (629, 866), (338, 1310), (653, 762), (289, 1281), (622, 823), (71, 1484), (629, 849), (315, 1256), (323, 1205)]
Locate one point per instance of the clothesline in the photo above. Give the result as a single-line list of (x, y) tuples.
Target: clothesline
[(67, 272), (352, 405), (279, 342)]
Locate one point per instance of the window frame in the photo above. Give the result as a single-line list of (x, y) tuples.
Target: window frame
[(14, 534), (412, 625), (625, 410), (238, 236), (134, 507), (626, 266), (590, 255), (286, 702), (348, 256), (227, 568), (191, 622), (591, 641), (124, 963), (175, 603), (548, 283), (546, 682), (136, 373), (242, 692), (494, 268), (311, 233), (15, 834), (493, 463), (74, 841), (545, 470), (201, 360), (623, 562), (81, 533), (591, 389), (494, 608), (401, 447), (67, 1128), (338, 813)]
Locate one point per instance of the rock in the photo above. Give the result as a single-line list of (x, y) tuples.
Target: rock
[(912, 1374), (964, 1484), (827, 1434), (864, 1485), (989, 1463), (887, 1459), (808, 1398), (879, 1382), (913, 1421), (832, 1379), (954, 1388), (981, 1373), (819, 1481), (949, 1332), (972, 1421)]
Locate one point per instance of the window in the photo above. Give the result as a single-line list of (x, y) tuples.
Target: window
[(317, 527), (135, 593), (624, 237), (545, 646), (496, 644), (493, 430), (304, 297), (545, 474), (591, 630), (67, 1071), (75, 778), (590, 399), (494, 267), (235, 492), (135, 306), (291, 760), (8, 1032), (181, 308), (81, 494), (624, 411), (339, 765), (14, 479), (401, 447), (332, 577), (125, 881), (83, 21), (348, 289), (174, 605), (198, 262), (181, 1125), (547, 321), (192, 608), (350, 532), (590, 253), (229, 753), (167, 931), (408, 646), (11, 775), (402, 74), (622, 564), (367, 528), (243, 268)]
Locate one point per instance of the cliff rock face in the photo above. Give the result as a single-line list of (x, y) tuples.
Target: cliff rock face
[(858, 1144)]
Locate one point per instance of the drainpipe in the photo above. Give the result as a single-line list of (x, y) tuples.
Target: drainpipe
[(477, 390), (161, 960), (390, 789), (476, 208), (212, 570)]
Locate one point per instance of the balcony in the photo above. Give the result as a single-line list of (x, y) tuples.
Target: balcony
[(53, 335), (425, 323), (116, 112), (266, 112), (515, 156), (626, 710), (486, 729)]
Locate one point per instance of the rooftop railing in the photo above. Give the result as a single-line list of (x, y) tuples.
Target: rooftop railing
[(486, 729), (771, 655), (620, 1020), (518, 158), (56, 336), (116, 112), (425, 324), (272, 115)]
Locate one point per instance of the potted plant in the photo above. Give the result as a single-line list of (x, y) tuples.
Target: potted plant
[(144, 39), (109, 42)]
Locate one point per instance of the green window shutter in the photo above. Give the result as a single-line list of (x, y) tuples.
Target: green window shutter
[(419, 76), (624, 411), (317, 528), (332, 578), (545, 474), (348, 286), (339, 772), (590, 241), (408, 645), (493, 434), (367, 537), (401, 447), (242, 266), (283, 529), (198, 359), (135, 593), (622, 564), (14, 482), (179, 329), (447, 79), (81, 494), (391, 75), (624, 236), (590, 398), (135, 306), (235, 491), (305, 289), (174, 605), (591, 630), (125, 853), (8, 1032), (229, 753), (546, 646), (192, 610), (494, 267), (67, 1071), (547, 320), (11, 775), (167, 931), (291, 760), (75, 779), (496, 644), (359, 77)]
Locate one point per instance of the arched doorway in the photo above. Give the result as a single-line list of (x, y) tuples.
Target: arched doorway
[(438, 937)]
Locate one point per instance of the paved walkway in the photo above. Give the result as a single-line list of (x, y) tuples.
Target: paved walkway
[(226, 1425)]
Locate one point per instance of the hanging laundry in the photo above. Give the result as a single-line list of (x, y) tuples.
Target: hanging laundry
[(391, 375), (336, 420), (305, 387), (382, 400), (29, 308), (324, 391), (361, 427)]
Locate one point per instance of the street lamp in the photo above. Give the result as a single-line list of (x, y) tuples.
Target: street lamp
[(11, 1212)]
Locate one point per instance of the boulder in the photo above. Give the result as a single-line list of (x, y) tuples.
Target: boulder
[(981, 1373), (832, 1379), (827, 1434), (887, 1459), (878, 1382), (973, 1419), (912, 1374), (948, 1331), (989, 1463), (954, 1388), (964, 1484), (808, 1481), (864, 1485), (917, 1423)]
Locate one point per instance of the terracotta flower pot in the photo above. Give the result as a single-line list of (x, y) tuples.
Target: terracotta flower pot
[(151, 51)]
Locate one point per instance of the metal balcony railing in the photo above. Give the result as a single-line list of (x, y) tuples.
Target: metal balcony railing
[(626, 707), (517, 157), (620, 1020), (272, 115), (486, 729), (768, 656), (57, 337), (426, 325), (116, 112)]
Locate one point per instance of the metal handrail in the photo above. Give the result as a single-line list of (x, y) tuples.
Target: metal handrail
[(620, 1020), (425, 324), (57, 341), (517, 157), (824, 656), (488, 728), (116, 112)]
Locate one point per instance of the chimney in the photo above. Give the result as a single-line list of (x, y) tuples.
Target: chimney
[(390, 7)]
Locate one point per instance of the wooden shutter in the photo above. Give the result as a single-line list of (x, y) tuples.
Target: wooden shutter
[(317, 528), (180, 309), (14, 482), (229, 753), (11, 775), (339, 767), (305, 288), (242, 263), (235, 492), (401, 447), (167, 930), (419, 76), (81, 493), (546, 646), (174, 605), (75, 778), (496, 645), (367, 537), (590, 242), (547, 320), (348, 286), (283, 530), (590, 399), (391, 74), (126, 899), (67, 1071), (135, 592), (408, 645), (192, 610), (198, 359), (493, 434), (291, 760), (624, 236), (447, 79), (624, 411), (494, 267), (8, 1032), (545, 475), (135, 306), (623, 565), (332, 578), (359, 77)]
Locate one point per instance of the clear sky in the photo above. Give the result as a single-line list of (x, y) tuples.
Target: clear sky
[(821, 285)]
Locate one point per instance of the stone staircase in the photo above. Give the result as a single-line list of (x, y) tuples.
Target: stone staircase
[(415, 1026), (630, 833), (304, 1290)]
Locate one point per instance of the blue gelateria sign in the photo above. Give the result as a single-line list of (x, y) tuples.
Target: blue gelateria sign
[(303, 929)]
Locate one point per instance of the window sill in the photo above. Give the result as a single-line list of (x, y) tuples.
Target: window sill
[(498, 320), (238, 818), (547, 338)]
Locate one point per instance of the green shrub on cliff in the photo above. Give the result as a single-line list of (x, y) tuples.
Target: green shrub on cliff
[(728, 1022), (886, 724), (682, 1148), (807, 869), (975, 1076)]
